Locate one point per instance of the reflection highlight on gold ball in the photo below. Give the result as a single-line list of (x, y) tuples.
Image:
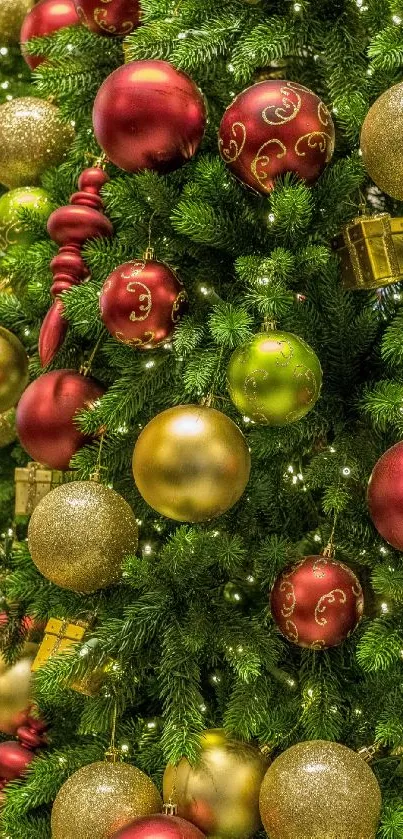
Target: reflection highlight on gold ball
[(191, 463), (220, 794)]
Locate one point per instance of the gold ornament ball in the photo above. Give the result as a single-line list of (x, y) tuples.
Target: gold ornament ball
[(220, 794), (320, 789), (381, 142), (79, 534), (33, 138), (100, 799), (15, 689), (191, 463), (13, 369), (8, 431), (275, 378), (12, 14)]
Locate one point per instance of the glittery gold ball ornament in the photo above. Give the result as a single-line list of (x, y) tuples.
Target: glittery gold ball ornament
[(381, 141), (79, 534), (8, 431), (191, 463), (320, 789), (100, 799), (12, 14), (32, 139), (13, 369), (274, 378), (220, 793)]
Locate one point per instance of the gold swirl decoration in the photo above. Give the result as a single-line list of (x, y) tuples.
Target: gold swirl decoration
[(144, 298), (250, 389), (324, 115), (100, 17), (291, 631), (317, 567), (9, 234), (315, 140), (286, 351), (263, 159), (137, 342), (327, 600), (136, 267), (181, 298), (287, 111), (290, 600), (236, 144)]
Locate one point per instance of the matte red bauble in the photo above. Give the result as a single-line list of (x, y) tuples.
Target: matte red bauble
[(385, 496), (117, 17), (46, 414), (317, 602), (159, 827), (141, 303), (14, 759), (46, 17), (276, 127), (148, 115)]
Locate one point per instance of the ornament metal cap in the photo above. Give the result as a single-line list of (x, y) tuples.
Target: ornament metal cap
[(170, 808)]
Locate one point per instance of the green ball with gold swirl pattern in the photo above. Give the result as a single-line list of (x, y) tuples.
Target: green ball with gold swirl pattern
[(275, 378)]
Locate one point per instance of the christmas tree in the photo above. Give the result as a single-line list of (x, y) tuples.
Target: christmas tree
[(201, 255)]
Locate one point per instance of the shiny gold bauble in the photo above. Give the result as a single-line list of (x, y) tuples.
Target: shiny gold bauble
[(191, 463), (320, 790), (220, 794), (80, 533), (274, 378), (13, 369), (12, 14), (381, 141), (15, 689), (100, 799), (33, 138), (8, 431)]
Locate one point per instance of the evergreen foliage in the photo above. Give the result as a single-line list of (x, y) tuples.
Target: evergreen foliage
[(181, 653)]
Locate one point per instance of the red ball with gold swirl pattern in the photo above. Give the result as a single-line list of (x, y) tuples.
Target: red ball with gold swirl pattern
[(275, 127), (112, 18), (141, 303), (317, 602)]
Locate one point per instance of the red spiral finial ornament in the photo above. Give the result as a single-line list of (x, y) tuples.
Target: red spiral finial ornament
[(70, 226)]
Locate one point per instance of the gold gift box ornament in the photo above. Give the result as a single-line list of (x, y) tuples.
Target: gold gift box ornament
[(32, 483), (62, 636), (371, 252)]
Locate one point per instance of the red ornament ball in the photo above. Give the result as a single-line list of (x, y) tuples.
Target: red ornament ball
[(385, 496), (159, 827), (46, 414), (118, 17), (148, 115), (276, 127), (317, 602), (141, 303), (14, 759), (46, 17)]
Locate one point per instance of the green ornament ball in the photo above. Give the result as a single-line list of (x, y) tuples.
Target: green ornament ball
[(234, 594), (12, 229), (275, 378)]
